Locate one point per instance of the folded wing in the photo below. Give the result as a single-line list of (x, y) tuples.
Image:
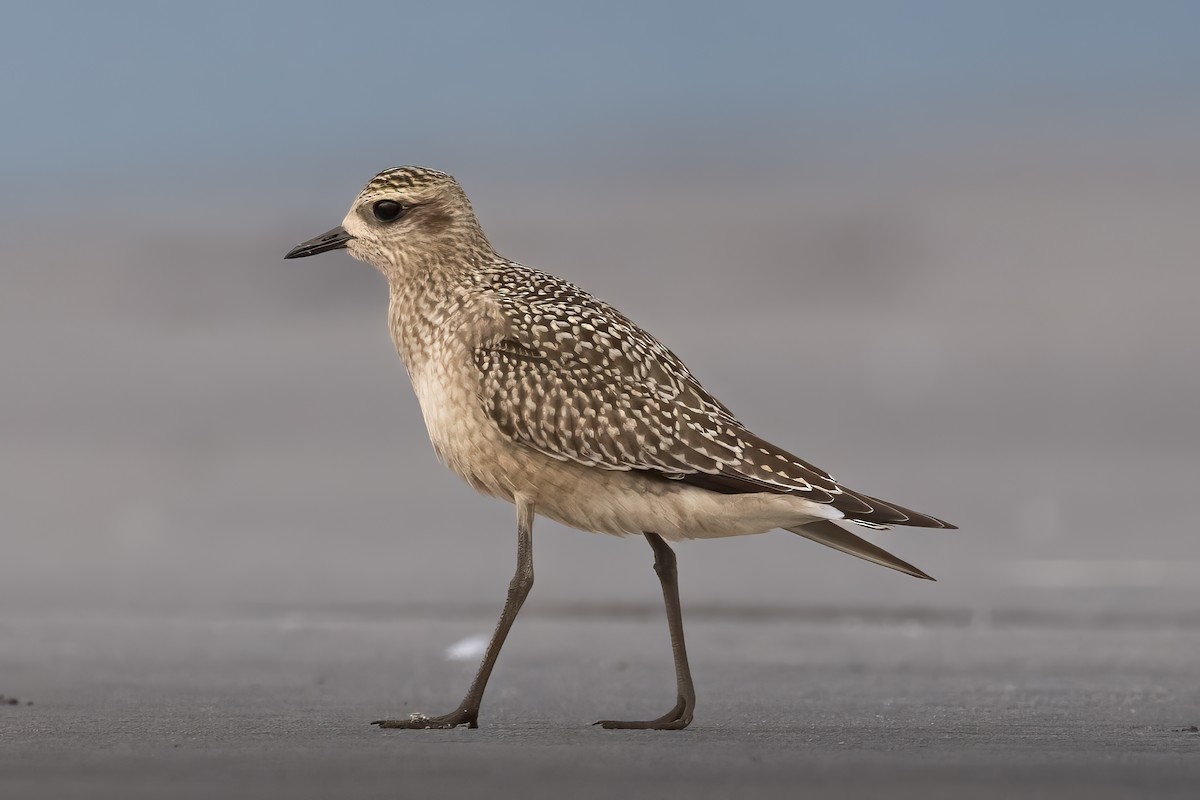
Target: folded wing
[(573, 378)]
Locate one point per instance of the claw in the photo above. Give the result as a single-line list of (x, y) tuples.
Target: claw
[(676, 719), (418, 721)]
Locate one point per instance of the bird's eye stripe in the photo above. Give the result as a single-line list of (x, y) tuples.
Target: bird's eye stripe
[(388, 210)]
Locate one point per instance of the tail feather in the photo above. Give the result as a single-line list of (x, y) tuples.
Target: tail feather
[(889, 513), (833, 535)]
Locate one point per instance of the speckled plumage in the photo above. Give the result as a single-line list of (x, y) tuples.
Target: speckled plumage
[(575, 379), (536, 392), (523, 378)]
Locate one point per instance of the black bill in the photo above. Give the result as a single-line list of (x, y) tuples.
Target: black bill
[(329, 240)]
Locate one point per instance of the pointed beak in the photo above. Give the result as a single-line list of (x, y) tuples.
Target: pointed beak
[(329, 240)]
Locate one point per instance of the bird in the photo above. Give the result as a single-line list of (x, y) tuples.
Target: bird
[(538, 393)]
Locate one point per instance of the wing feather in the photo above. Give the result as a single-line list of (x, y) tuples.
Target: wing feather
[(573, 378)]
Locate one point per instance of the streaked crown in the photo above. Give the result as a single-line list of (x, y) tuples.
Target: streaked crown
[(406, 178)]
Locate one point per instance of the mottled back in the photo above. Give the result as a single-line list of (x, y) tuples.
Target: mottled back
[(575, 379)]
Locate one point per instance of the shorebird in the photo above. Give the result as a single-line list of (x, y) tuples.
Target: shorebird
[(538, 393)]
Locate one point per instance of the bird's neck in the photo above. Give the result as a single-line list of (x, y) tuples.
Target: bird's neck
[(432, 270), (426, 299)]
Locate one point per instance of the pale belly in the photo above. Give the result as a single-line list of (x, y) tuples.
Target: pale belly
[(586, 498)]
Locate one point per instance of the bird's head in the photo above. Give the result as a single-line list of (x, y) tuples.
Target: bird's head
[(404, 216)]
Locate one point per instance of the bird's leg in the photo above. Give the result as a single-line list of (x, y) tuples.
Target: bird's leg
[(467, 712), (680, 716)]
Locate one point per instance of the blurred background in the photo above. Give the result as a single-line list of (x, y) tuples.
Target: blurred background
[(945, 250)]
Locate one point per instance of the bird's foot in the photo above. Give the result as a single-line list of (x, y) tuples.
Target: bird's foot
[(459, 716), (676, 719)]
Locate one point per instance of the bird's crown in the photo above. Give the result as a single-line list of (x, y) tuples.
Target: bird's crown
[(406, 177)]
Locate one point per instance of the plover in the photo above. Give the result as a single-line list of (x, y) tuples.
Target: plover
[(538, 393)]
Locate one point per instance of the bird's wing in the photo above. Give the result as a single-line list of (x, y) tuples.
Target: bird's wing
[(573, 378)]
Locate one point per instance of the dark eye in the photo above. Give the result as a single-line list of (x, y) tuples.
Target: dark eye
[(387, 210)]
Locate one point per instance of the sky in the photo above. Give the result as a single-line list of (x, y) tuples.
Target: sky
[(127, 91), (984, 332)]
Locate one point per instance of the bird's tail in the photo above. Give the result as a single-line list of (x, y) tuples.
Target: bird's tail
[(831, 534)]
